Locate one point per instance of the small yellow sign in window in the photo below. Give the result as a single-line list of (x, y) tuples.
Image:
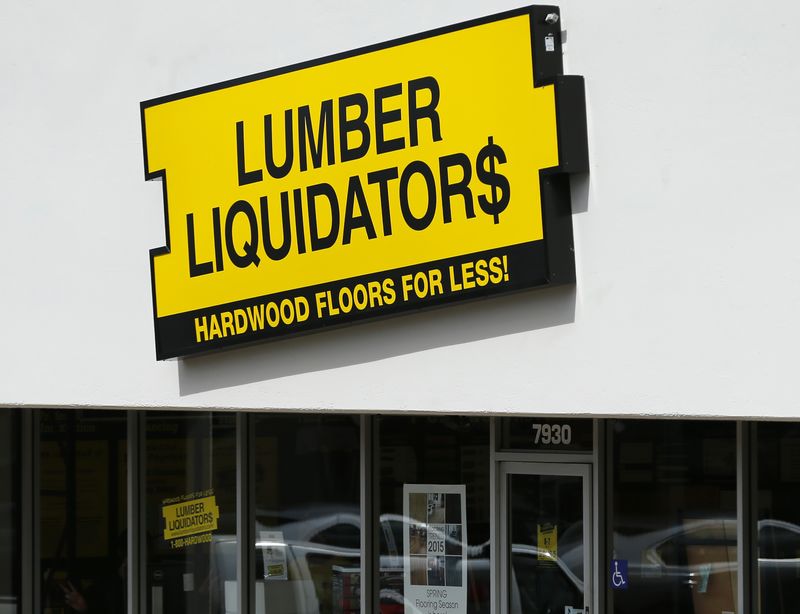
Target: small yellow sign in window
[(547, 542), (190, 517)]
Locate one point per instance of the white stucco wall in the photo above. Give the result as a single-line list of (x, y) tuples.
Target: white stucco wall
[(688, 269)]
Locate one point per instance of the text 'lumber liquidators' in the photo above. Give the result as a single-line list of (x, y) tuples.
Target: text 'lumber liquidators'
[(390, 178), (190, 519)]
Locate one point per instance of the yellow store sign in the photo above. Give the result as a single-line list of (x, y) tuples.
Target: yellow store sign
[(408, 174), (190, 517)]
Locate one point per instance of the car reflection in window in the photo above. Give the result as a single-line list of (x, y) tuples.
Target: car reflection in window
[(695, 563), (541, 582), (321, 545)]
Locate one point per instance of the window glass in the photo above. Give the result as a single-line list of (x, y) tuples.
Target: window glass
[(426, 466), (83, 495), (674, 516), (10, 497), (307, 514), (778, 517), (190, 482), (546, 543)]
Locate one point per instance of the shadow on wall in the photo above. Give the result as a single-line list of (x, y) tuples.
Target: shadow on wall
[(579, 187), (368, 342), (394, 336)]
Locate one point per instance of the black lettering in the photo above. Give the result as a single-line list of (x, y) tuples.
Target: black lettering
[(356, 124), (249, 256), (204, 268), (459, 187), (279, 171), (306, 135), (245, 176), (215, 218), (382, 178), (416, 113), (276, 253), (418, 223), (383, 117), (312, 193), (355, 193), (298, 221)]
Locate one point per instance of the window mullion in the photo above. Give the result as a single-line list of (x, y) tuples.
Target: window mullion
[(245, 485)]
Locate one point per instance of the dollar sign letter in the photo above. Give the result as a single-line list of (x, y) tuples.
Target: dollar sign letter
[(495, 205)]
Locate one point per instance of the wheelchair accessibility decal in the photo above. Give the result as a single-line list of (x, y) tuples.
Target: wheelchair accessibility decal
[(619, 574)]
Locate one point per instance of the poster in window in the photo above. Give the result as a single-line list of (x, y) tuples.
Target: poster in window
[(273, 549), (435, 552)]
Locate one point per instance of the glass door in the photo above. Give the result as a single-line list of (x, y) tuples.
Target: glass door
[(546, 538)]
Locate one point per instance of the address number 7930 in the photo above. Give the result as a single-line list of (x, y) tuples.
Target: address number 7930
[(552, 434)]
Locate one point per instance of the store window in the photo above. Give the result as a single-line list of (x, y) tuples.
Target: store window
[(674, 516), (307, 514), (778, 487), (10, 497), (434, 507), (83, 496), (190, 483)]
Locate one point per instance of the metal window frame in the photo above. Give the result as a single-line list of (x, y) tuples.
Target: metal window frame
[(30, 595), (747, 598), (607, 509), (599, 518), (596, 481), (370, 519), (494, 515), (30, 505), (565, 469), (136, 536), (245, 513), (747, 516)]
